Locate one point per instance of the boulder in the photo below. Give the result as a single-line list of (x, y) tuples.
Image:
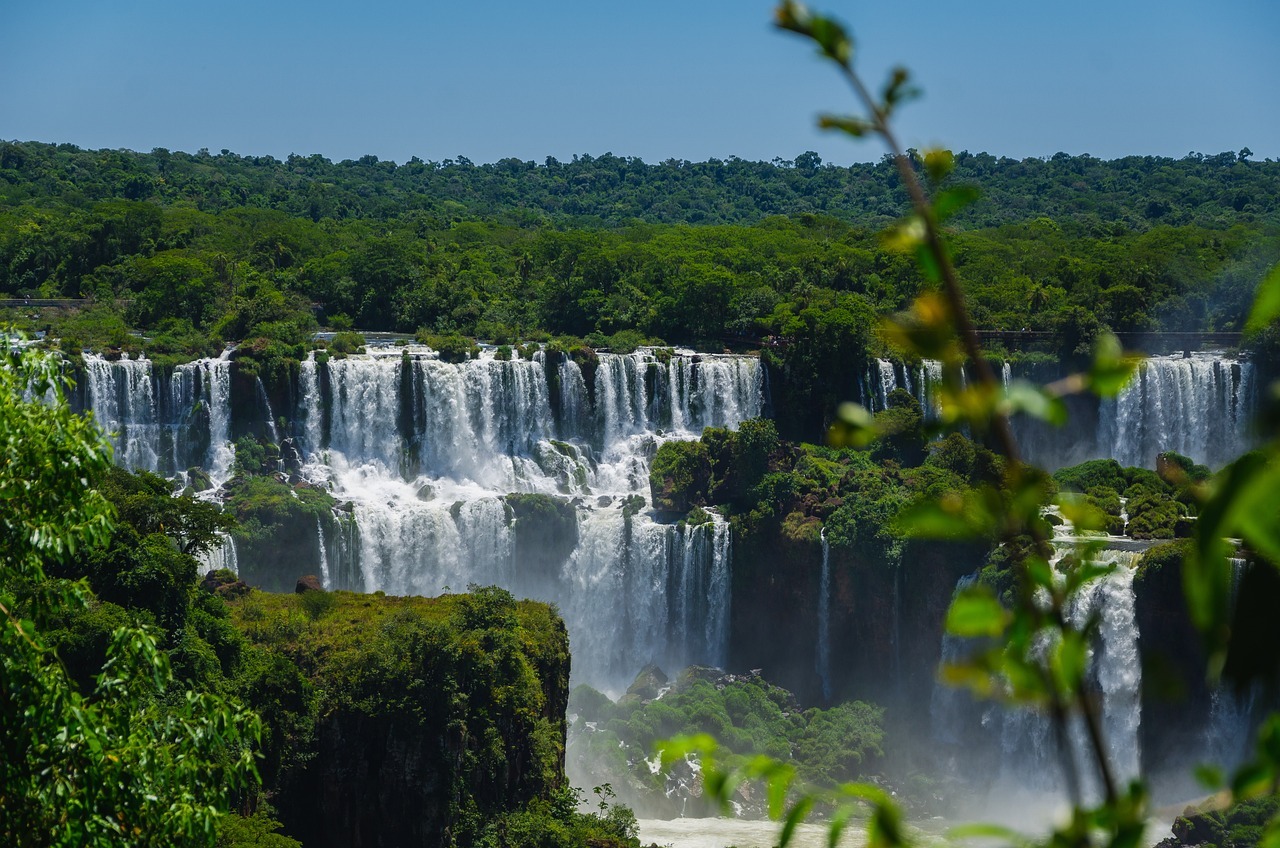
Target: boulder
[(308, 583)]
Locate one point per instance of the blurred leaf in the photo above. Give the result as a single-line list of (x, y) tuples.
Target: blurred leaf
[(905, 235), (854, 427), (1082, 514), (952, 200), (927, 262), (885, 828), (945, 518), (795, 815), (985, 830), (976, 612), (1252, 781), (1110, 370), (1032, 400), (836, 826), (678, 747), (1040, 572), (1266, 305), (848, 124), (938, 162), (1210, 776), (896, 90), (1069, 661)]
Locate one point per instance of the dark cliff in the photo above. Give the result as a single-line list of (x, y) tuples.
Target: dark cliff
[(407, 721)]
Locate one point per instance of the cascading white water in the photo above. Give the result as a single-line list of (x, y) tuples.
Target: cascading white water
[(822, 660), (215, 380), (1029, 753), (221, 557), (1116, 664), (326, 579), (424, 450), (122, 397), (150, 415), (1198, 406), (946, 703)]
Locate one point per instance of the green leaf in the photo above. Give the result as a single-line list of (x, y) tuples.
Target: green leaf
[(1069, 661), (976, 612), (984, 830), (1252, 781), (1266, 305), (896, 90), (938, 520), (848, 124), (905, 235), (1209, 776), (795, 815), (1110, 370), (1032, 400), (950, 201), (938, 163)]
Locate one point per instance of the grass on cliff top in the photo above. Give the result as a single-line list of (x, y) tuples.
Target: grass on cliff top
[(320, 629)]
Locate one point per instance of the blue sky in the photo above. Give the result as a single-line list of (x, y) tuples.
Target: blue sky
[(658, 79)]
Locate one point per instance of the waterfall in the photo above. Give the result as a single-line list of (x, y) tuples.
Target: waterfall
[(1228, 733), (151, 417), (1028, 763), (822, 661), (266, 406), (1116, 664), (425, 450), (223, 556), (947, 703), (1030, 754), (122, 397), (326, 579), (310, 404), (1198, 406)]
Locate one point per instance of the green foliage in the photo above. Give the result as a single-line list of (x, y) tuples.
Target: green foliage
[(452, 347), (259, 830), (133, 763), (346, 342), (680, 475), (478, 669), (748, 716)]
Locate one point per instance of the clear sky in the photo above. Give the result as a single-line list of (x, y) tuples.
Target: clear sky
[(658, 79)]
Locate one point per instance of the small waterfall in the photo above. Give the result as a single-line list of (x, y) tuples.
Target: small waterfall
[(122, 397), (265, 402), (823, 659), (326, 579), (573, 400), (152, 416), (1116, 664), (947, 703), (216, 380), (1232, 714), (309, 402), (719, 591), (223, 556)]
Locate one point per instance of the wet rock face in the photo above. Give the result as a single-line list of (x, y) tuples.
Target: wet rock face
[(885, 618)]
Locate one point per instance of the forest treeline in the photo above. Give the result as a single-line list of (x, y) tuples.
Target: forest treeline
[(612, 191)]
